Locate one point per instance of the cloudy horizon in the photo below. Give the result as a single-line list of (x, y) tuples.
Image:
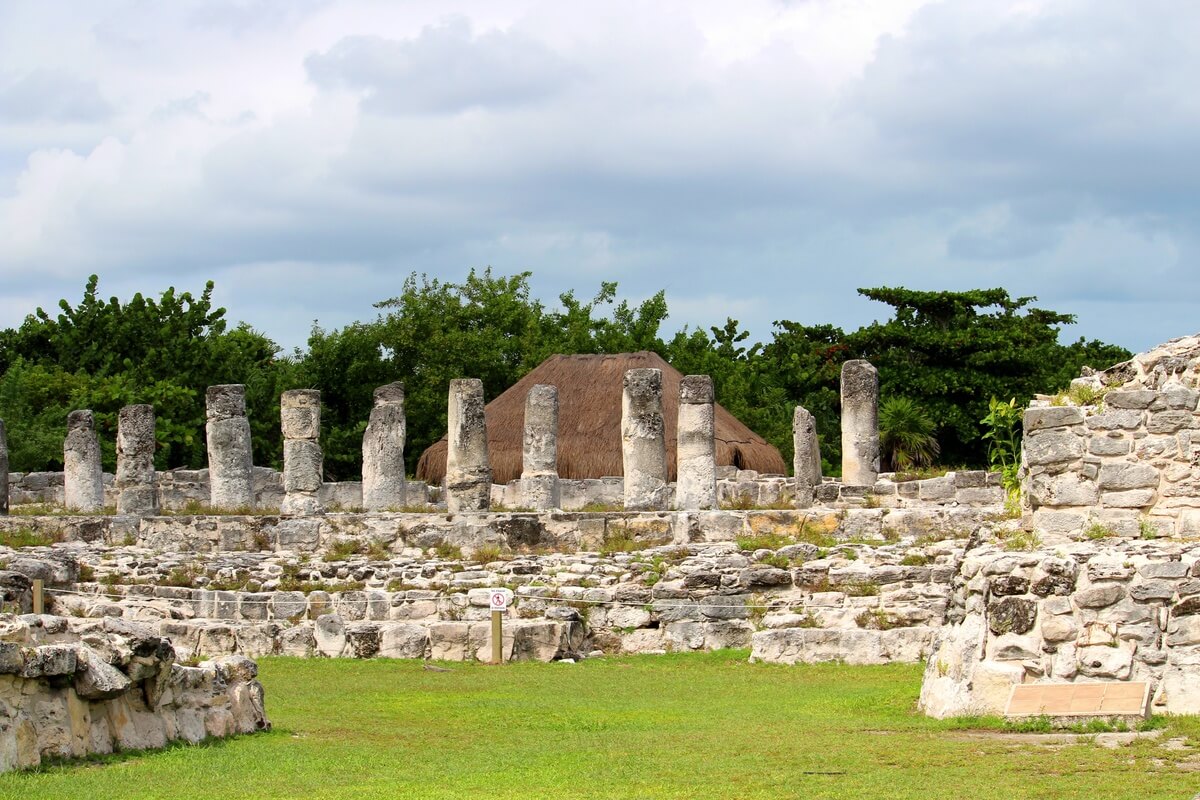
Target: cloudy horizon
[(759, 161)]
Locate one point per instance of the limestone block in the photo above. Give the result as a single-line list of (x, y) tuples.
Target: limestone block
[(1165, 570), (330, 635), (403, 640), (806, 461), (1042, 418), (1099, 596), (302, 464), (230, 468), (468, 467), (1109, 445), (643, 445), (83, 480), (135, 461), (1122, 476), (1170, 421), (937, 490), (1063, 490), (1058, 628), (384, 483), (696, 488), (1130, 398), (539, 484), (860, 423), (1105, 662), (1011, 615), (1052, 447), (1120, 419), (1133, 498)]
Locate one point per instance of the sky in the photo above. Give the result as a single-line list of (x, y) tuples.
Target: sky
[(759, 160)]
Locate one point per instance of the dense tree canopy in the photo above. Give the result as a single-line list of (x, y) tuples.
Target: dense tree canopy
[(945, 352)]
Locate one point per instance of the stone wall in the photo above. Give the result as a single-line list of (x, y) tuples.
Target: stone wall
[(1116, 610), (70, 688), (690, 597), (1121, 450), (412, 534), (182, 488)]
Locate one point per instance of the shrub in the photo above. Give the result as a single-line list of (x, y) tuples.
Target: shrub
[(906, 434)]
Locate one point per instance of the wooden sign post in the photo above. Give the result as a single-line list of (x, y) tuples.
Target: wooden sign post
[(498, 600)]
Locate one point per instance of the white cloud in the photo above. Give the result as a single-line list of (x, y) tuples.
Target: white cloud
[(766, 159)]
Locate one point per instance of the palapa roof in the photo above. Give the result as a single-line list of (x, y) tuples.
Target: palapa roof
[(589, 422)]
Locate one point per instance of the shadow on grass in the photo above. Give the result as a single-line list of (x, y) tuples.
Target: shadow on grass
[(59, 765)]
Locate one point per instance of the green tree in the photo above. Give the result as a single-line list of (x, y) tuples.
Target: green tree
[(950, 352), (105, 354)]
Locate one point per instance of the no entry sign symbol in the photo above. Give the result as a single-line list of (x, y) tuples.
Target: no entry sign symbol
[(498, 599)]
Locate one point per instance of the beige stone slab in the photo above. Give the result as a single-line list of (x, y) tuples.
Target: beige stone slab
[(1078, 699)]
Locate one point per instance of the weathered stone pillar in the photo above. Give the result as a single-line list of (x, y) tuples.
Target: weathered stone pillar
[(230, 465), (860, 423), (300, 418), (136, 493), (83, 480), (539, 452), (383, 450), (468, 467), (806, 459), (3, 470), (695, 451), (643, 443)]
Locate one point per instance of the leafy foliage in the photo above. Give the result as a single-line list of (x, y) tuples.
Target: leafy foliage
[(941, 352), (1002, 432), (906, 435)]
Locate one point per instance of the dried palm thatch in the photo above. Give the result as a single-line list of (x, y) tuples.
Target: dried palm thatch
[(589, 425)]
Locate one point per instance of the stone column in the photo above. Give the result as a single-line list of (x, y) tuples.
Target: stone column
[(83, 481), (136, 493), (3, 470), (300, 418), (468, 467), (860, 423), (695, 451), (806, 460), (643, 444), (230, 482), (383, 450), (539, 452)]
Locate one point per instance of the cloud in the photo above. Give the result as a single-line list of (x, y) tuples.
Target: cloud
[(444, 69), (52, 96), (760, 162)]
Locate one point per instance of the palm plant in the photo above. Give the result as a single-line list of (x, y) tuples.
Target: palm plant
[(906, 435)]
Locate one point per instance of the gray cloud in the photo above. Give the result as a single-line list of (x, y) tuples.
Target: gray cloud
[(52, 96), (444, 69)]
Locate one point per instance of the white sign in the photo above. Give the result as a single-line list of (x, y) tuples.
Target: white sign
[(498, 599)]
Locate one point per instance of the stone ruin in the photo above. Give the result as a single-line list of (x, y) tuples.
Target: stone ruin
[(68, 691), (801, 569)]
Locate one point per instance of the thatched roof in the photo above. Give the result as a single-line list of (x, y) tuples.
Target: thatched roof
[(589, 423)]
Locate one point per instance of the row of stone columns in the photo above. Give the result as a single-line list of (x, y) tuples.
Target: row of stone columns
[(468, 468)]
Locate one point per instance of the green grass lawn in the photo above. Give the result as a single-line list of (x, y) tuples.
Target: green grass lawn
[(696, 725)]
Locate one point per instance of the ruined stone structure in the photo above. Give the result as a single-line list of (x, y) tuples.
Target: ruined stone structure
[(230, 464), (539, 453), (1127, 457), (3, 469), (83, 479), (468, 470), (696, 487), (136, 492), (643, 445), (1087, 611), (383, 484), (860, 423), (806, 459), (300, 418), (121, 690)]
